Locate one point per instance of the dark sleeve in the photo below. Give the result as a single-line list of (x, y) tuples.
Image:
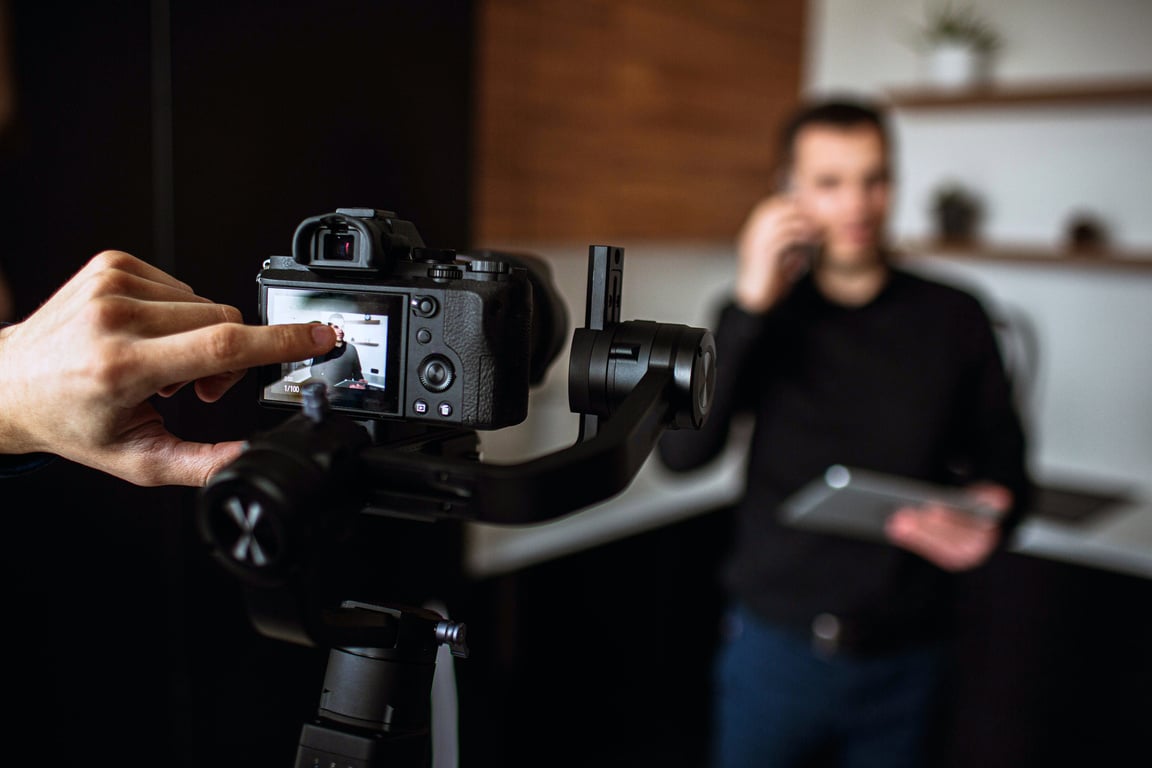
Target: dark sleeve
[(12, 465), (357, 372), (738, 335), (996, 434)]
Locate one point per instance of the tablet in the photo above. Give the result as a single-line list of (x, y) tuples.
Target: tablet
[(857, 502)]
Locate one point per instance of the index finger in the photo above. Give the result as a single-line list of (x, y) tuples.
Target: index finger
[(226, 348)]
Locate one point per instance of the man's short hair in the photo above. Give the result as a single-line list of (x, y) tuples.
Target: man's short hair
[(844, 114)]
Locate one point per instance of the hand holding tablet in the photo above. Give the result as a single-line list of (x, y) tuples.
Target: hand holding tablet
[(955, 528)]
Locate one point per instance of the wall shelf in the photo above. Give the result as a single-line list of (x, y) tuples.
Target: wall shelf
[(1130, 261), (1127, 92)]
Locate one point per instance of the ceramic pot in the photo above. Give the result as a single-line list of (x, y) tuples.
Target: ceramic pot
[(956, 66)]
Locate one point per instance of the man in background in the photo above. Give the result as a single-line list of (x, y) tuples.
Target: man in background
[(342, 362), (834, 644)]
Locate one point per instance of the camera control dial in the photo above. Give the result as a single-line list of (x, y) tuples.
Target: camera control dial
[(436, 373), (445, 272)]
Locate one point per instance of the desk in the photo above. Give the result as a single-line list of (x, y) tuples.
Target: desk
[(1119, 539)]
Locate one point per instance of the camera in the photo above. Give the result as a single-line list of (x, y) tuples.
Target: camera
[(423, 334)]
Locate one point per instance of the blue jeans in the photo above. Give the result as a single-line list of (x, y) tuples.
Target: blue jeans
[(778, 702)]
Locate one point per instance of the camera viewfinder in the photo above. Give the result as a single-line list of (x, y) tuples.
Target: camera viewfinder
[(339, 246)]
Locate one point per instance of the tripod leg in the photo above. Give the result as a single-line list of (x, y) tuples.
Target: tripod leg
[(445, 705)]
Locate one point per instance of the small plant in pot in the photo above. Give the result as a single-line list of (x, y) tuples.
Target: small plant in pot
[(957, 213), (959, 45)]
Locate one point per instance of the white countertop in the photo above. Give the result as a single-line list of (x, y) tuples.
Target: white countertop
[(1118, 539)]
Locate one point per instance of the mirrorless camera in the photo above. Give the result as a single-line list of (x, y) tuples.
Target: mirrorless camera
[(423, 334)]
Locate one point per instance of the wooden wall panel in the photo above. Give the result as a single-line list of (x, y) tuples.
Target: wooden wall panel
[(651, 119)]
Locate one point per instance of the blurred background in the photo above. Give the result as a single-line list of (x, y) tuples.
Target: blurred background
[(197, 135)]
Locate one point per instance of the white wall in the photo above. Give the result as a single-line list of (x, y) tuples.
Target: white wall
[(867, 44), (1089, 408)]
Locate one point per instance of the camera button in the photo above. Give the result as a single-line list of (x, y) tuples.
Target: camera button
[(420, 407), (423, 335), (444, 409), (424, 306)]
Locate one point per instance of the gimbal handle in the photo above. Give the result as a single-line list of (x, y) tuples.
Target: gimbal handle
[(528, 492)]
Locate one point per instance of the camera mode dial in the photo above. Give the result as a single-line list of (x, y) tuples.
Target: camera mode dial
[(489, 267)]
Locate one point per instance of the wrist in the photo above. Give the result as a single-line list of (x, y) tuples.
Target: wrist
[(757, 302), (14, 443)]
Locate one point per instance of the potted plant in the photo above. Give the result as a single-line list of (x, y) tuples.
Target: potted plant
[(957, 213), (959, 44)]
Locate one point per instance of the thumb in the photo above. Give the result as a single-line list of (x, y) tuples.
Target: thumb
[(194, 464)]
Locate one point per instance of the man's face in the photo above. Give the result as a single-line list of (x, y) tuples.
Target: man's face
[(339, 328), (840, 179)]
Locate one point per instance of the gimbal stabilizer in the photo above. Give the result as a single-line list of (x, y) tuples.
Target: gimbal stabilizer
[(297, 491)]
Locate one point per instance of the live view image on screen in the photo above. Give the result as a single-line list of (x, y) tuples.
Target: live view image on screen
[(360, 372)]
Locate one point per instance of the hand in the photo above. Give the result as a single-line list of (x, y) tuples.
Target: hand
[(78, 374), (770, 253), (953, 540)]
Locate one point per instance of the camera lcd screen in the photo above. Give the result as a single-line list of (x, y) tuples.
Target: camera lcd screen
[(362, 372)]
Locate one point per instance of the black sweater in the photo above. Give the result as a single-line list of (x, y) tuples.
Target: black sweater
[(912, 384)]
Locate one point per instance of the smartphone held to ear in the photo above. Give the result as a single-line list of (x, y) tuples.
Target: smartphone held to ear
[(799, 258)]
